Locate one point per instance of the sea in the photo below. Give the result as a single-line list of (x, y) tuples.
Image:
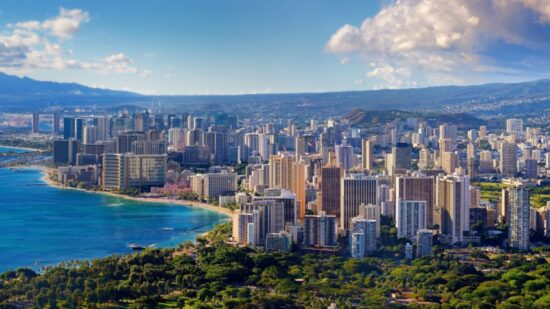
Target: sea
[(42, 225)]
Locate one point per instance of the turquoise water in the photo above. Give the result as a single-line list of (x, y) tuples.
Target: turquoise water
[(12, 149), (41, 225)]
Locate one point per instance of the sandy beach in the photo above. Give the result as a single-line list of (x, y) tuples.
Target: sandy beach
[(45, 177)]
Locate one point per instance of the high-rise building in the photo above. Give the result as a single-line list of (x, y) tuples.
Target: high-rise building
[(449, 162), (508, 159), (366, 155), (68, 127), (514, 125), (281, 171), (300, 147), (299, 187), (371, 212), (424, 243), (149, 147), (79, 128), (417, 188), (280, 241), (284, 197), (73, 128), (519, 215), (356, 189), (90, 135), (530, 168), (267, 216), (240, 226), (103, 125), (330, 189), (55, 124), (65, 151), (401, 155), (130, 171), (362, 237), (344, 156), (124, 141), (320, 230), (35, 122), (447, 131), (425, 160), (452, 206), (410, 217), (482, 132), (470, 151), (212, 185)]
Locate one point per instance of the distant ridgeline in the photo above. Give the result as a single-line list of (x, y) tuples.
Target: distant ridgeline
[(25, 94)]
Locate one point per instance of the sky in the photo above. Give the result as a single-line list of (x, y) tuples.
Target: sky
[(260, 46)]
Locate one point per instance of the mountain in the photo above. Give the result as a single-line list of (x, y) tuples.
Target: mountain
[(363, 118), (25, 93)]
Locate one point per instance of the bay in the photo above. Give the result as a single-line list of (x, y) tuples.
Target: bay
[(42, 225)]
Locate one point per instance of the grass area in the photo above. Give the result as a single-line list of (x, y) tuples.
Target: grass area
[(491, 192)]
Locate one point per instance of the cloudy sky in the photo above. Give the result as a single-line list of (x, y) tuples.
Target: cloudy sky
[(261, 46)]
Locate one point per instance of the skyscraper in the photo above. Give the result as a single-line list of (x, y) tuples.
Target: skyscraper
[(103, 125), (356, 189), (123, 171), (330, 189), (35, 122), (424, 243), (124, 141), (366, 155), (417, 188), (508, 159), (449, 162), (55, 125), (410, 217), (514, 125), (68, 127), (401, 156), (362, 237), (90, 135), (64, 151), (320, 230), (281, 171), (344, 156), (519, 213), (453, 204), (299, 186)]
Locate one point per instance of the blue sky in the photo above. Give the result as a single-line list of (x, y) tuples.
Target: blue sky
[(247, 46)]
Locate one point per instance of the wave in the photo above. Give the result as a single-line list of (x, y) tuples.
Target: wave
[(114, 204)]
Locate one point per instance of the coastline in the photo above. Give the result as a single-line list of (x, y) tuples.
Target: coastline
[(45, 177), (22, 148)]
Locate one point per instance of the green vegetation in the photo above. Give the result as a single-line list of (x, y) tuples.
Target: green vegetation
[(212, 274), (491, 192)]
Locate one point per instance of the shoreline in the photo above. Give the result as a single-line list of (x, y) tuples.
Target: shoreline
[(22, 148), (192, 204)]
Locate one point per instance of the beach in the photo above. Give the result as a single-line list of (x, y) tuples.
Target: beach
[(47, 170)]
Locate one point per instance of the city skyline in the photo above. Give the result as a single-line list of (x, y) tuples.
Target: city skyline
[(238, 47)]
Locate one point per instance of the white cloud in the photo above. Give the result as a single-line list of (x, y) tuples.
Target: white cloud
[(28, 46), (64, 26), (67, 23), (422, 42)]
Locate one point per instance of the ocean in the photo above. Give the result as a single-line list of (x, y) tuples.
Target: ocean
[(42, 225)]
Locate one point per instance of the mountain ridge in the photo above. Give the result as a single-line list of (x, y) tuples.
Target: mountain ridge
[(24, 92)]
